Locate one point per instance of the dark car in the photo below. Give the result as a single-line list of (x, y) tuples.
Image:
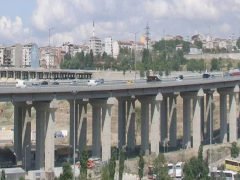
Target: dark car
[(153, 78), (55, 83), (44, 83), (205, 75), (35, 84)]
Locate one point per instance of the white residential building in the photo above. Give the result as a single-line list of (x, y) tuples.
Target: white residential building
[(2, 49), (17, 55), (109, 45), (95, 45), (30, 55)]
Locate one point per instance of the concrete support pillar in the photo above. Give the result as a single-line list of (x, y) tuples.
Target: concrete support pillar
[(232, 114), (18, 128), (145, 127), (202, 118), (71, 112), (96, 131), (101, 120), (26, 139), (49, 140), (164, 118), (196, 122), (209, 109), (40, 137), (106, 130), (131, 124), (82, 125), (223, 118), (121, 123), (196, 96), (173, 120), (155, 124), (232, 118), (186, 123)]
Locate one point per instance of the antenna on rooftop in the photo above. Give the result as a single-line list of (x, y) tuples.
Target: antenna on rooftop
[(147, 33)]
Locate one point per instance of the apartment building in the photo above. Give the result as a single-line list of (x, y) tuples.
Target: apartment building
[(30, 56), (17, 55), (108, 45), (52, 59), (95, 45), (68, 48), (5, 56), (2, 50)]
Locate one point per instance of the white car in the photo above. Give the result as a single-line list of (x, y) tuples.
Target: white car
[(179, 170), (178, 79), (92, 82), (171, 170), (21, 84)]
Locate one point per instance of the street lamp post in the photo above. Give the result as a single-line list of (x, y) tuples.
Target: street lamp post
[(49, 30), (74, 136), (26, 157), (135, 53)]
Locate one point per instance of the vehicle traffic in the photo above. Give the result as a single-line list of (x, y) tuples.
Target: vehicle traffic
[(130, 82), (74, 82), (179, 170), (55, 83), (153, 78), (21, 84), (44, 83), (7, 158), (92, 82), (171, 170), (229, 175), (207, 75), (179, 78), (232, 165)]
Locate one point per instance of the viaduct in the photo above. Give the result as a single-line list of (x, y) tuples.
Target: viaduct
[(154, 99)]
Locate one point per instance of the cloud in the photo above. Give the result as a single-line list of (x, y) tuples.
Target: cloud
[(225, 28), (53, 13), (157, 8), (8, 28), (73, 19)]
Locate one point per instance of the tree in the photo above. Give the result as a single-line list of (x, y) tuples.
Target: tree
[(238, 43), (83, 163), (112, 165), (67, 172), (199, 44), (200, 153), (215, 64), (91, 60), (21, 178), (3, 175), (121, 164), (229, 66), (105, 173), (234, 150), (187, 171), (160, 168), (140, 165)]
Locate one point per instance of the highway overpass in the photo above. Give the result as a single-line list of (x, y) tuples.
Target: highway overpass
[(160, 97)]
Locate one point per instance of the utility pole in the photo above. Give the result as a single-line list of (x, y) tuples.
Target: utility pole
[(49, 30), (135, 53)]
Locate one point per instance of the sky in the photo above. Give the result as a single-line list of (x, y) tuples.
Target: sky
[(26, 21)]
